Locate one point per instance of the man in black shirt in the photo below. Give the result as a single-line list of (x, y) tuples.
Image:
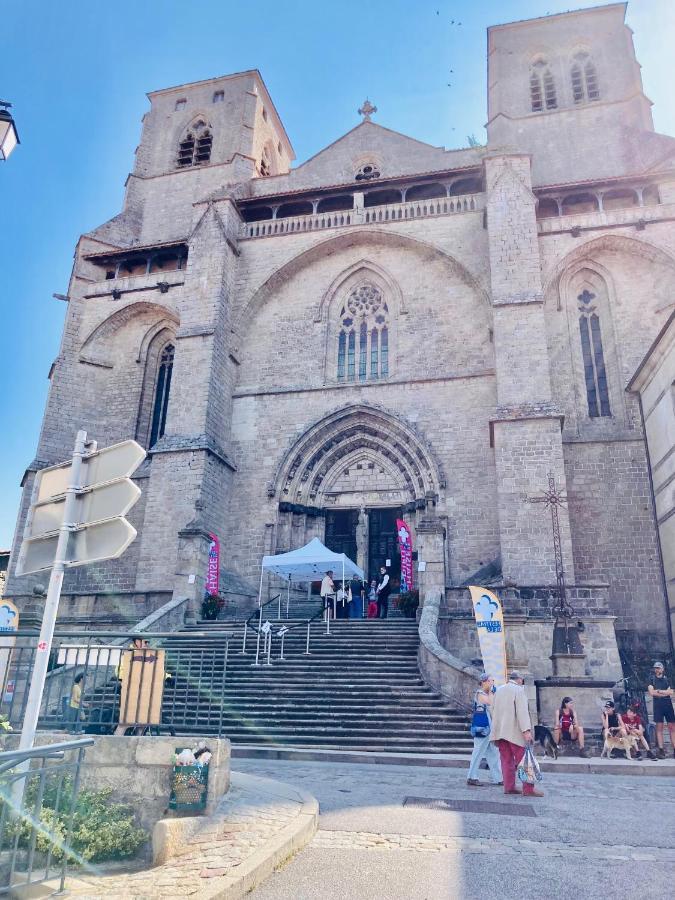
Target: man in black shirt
[(383, 591), (662, 694)]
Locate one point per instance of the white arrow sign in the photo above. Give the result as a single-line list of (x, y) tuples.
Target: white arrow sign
[(93, 543), (116, 461), (76, 517), (106, 501)]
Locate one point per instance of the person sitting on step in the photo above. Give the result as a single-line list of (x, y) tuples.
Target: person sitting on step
[(568, 728), (633, 724)]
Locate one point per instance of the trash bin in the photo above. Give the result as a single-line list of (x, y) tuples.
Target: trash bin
[(189, 786)]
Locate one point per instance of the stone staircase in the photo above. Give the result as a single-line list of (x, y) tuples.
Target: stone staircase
[(359, 689)]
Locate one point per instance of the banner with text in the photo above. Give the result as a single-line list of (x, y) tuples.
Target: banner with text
[(487, 609), (405, 548), (213, 572)]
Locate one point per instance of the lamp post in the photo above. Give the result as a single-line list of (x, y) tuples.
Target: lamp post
[(8, 135)]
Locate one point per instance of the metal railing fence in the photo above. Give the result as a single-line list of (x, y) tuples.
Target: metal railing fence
[(38, 794), (105, 682), (264, 631)]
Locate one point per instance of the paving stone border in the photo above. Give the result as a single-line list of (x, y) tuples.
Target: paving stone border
[(428, 843), (257, 825)]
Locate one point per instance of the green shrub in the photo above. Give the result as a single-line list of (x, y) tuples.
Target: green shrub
[(408, 603), (102, 830)]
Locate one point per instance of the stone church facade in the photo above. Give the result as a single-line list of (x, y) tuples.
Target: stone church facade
[(420, 331)]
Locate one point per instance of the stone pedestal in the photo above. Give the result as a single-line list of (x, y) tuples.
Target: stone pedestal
[(569, 665), (192, 565), (431, 552)]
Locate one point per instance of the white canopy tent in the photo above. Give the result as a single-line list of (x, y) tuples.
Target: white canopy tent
[(308, 563)]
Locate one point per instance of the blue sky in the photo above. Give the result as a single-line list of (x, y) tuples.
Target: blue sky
[(77, 73)]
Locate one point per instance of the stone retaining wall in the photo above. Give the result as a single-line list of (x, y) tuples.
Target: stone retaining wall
[(139, 770)]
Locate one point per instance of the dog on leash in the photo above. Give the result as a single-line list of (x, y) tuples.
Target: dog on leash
[(545, 737), (619, 742)]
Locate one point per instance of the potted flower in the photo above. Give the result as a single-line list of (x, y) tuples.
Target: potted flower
[(211, 606), (408, 603)]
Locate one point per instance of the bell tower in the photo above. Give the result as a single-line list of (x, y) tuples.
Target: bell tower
[(562, 87)]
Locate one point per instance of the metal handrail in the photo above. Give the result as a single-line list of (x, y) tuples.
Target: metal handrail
[(98, 656), (11, 758), (256, 612), (267, 648), (124, 635)]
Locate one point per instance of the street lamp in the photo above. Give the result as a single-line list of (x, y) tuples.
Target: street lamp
[(8, 136)]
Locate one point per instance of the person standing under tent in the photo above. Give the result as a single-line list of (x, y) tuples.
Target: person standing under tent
[(343, 600), (357, 608), (328, 591), (383, 591), (372, 600)]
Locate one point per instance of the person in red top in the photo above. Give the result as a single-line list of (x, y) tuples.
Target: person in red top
[(568, 727), (634, 727)]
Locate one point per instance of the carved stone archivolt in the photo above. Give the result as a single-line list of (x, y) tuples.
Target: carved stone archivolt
[(390, 445)]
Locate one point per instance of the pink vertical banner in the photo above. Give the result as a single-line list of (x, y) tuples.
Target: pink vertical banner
[(213, 571), (405, 548)]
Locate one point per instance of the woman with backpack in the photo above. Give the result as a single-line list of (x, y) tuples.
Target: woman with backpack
[(481, 723)]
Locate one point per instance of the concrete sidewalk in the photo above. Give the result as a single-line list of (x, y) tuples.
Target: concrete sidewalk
[(257, 826), (374, 843)]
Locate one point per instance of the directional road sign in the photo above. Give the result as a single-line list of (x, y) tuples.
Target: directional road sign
[(98, 529), (116, 461), (92, 543)]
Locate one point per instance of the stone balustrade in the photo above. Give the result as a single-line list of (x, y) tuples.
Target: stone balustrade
[(638, 216), (391, 212)]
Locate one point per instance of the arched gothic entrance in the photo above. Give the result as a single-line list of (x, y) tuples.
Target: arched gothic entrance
[(360, 457)]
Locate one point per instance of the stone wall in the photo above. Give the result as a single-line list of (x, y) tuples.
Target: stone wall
[(139, 770), (482, 306), (529, 644)]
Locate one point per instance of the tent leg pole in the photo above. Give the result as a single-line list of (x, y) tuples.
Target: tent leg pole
[(257, 650)]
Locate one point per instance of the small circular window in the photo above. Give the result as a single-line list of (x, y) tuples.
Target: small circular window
[(367, 172)]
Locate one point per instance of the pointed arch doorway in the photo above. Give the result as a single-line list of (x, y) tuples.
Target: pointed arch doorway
[(382, 545), (359, 456)]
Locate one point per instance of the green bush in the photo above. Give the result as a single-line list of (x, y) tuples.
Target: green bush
[(408, 603), (101, 831)]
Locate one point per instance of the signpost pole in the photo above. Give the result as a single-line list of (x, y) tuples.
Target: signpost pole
[(32, 713)]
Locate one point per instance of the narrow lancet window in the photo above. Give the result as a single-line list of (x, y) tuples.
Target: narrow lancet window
[(162, 391), (595, 375)]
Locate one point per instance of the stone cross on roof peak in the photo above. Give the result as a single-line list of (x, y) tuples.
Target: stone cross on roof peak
[(367, 110)]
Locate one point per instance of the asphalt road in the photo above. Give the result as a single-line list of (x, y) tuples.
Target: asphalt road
[(590, 835)]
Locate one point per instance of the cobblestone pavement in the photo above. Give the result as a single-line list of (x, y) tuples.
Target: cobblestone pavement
[(246, 819), (587, 828)]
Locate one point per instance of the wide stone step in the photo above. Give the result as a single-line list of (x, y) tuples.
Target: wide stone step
[(419, 707), (368, 742), (347, 717), (358, 689), (351, 726)]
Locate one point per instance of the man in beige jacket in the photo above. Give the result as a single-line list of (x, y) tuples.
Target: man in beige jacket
[(512, 731)]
